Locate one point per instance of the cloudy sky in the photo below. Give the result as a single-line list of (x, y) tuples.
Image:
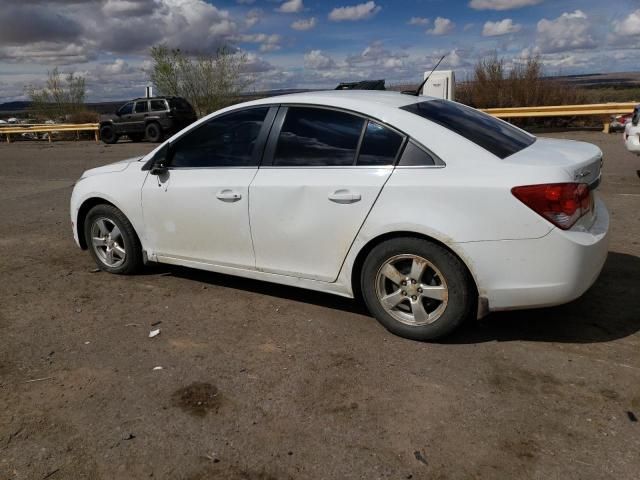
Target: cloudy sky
[(309, 43)]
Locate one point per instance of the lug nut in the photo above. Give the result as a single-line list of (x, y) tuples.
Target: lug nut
[(413, 281), (419, 290), (403, 283), (414, 297), (404, 293)]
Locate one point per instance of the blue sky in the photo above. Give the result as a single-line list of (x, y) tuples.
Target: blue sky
[(309, 43)]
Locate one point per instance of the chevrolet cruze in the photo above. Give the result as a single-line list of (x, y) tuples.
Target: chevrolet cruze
[(431, 211)]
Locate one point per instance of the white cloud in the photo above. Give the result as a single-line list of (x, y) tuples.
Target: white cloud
[(361, 11), (246, 2), (268, 43), (501, 4), (304, 24), (291, 6), (441, 26), (253, 17), (503, 27), (629, 26), (570, 31), (255, 64), (418, 21), (317, 60)]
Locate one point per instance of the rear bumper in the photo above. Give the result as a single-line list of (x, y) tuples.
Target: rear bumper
[(552, 270)]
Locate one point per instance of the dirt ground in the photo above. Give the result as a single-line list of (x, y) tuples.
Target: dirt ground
[(267, 382)]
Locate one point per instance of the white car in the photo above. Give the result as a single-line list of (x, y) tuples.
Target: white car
[(431, 210), (631, 133)]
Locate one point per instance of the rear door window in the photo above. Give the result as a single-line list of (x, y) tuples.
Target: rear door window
[(142, 107), (493, 135), (380, 145), (318, 137)]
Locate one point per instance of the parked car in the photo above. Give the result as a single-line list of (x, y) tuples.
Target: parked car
[(619, 122), (430, 210), (632, 132), (150, 118)]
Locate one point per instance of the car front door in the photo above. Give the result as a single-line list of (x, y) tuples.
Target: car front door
[(198, 210), (322, 172), (123, 117)]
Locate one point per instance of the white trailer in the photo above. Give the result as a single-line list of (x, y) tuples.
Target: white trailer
[(441, 84)]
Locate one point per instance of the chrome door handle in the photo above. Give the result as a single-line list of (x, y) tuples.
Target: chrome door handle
[(227, 195), (344, 196)]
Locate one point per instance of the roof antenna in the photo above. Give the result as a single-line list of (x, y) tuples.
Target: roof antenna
[(417, 90)]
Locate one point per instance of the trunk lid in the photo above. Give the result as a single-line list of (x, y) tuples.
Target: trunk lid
[(581, 161)]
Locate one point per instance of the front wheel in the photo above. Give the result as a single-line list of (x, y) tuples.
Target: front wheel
[(416, 289), (112, 241), (108, 134)]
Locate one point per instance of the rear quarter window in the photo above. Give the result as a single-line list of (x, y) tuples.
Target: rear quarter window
[(493, 135), (179, 104)]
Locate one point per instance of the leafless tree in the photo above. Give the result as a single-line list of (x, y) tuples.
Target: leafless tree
[(208, 82), (60, 97)]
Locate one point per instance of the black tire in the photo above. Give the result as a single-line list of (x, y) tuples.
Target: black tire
[(108, 134), (460, 289), (153, 132), (135, 137), (133, 258)]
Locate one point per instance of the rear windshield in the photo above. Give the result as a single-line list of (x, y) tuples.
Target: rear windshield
[(493, 135), (179, 104)]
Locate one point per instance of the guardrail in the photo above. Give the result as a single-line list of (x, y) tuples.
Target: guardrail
[(598, 109), (8, 130)]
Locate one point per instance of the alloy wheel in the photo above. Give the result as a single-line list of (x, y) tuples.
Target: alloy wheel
[(107, 242), (412, 290)]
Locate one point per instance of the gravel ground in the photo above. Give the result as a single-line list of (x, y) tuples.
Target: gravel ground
[(260, 381)]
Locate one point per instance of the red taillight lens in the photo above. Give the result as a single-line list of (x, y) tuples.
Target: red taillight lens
[(560, 203)]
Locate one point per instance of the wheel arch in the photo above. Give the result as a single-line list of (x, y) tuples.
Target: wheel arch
[(87, 205), (358, 263)]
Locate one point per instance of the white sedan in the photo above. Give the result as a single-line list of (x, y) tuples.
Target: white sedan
[(428, 209), (631, 133)]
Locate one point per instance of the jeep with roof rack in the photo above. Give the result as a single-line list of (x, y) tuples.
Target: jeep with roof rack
[(152, 118)]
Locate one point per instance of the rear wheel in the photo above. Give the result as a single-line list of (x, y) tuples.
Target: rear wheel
[(416, 289), (153, 132), (112, 241), (108, 134)]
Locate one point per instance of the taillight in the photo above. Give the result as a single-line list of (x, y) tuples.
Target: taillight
[(560, 203)]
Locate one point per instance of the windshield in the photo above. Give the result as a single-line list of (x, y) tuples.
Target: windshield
[(494, 135)]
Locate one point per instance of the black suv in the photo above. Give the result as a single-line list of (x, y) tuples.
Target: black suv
[(152, 118)]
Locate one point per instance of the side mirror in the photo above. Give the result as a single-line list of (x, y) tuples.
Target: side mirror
[(160, 165), (158, 169)]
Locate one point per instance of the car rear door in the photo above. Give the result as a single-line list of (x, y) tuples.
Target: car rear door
[(199, 210), (322, 172)]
